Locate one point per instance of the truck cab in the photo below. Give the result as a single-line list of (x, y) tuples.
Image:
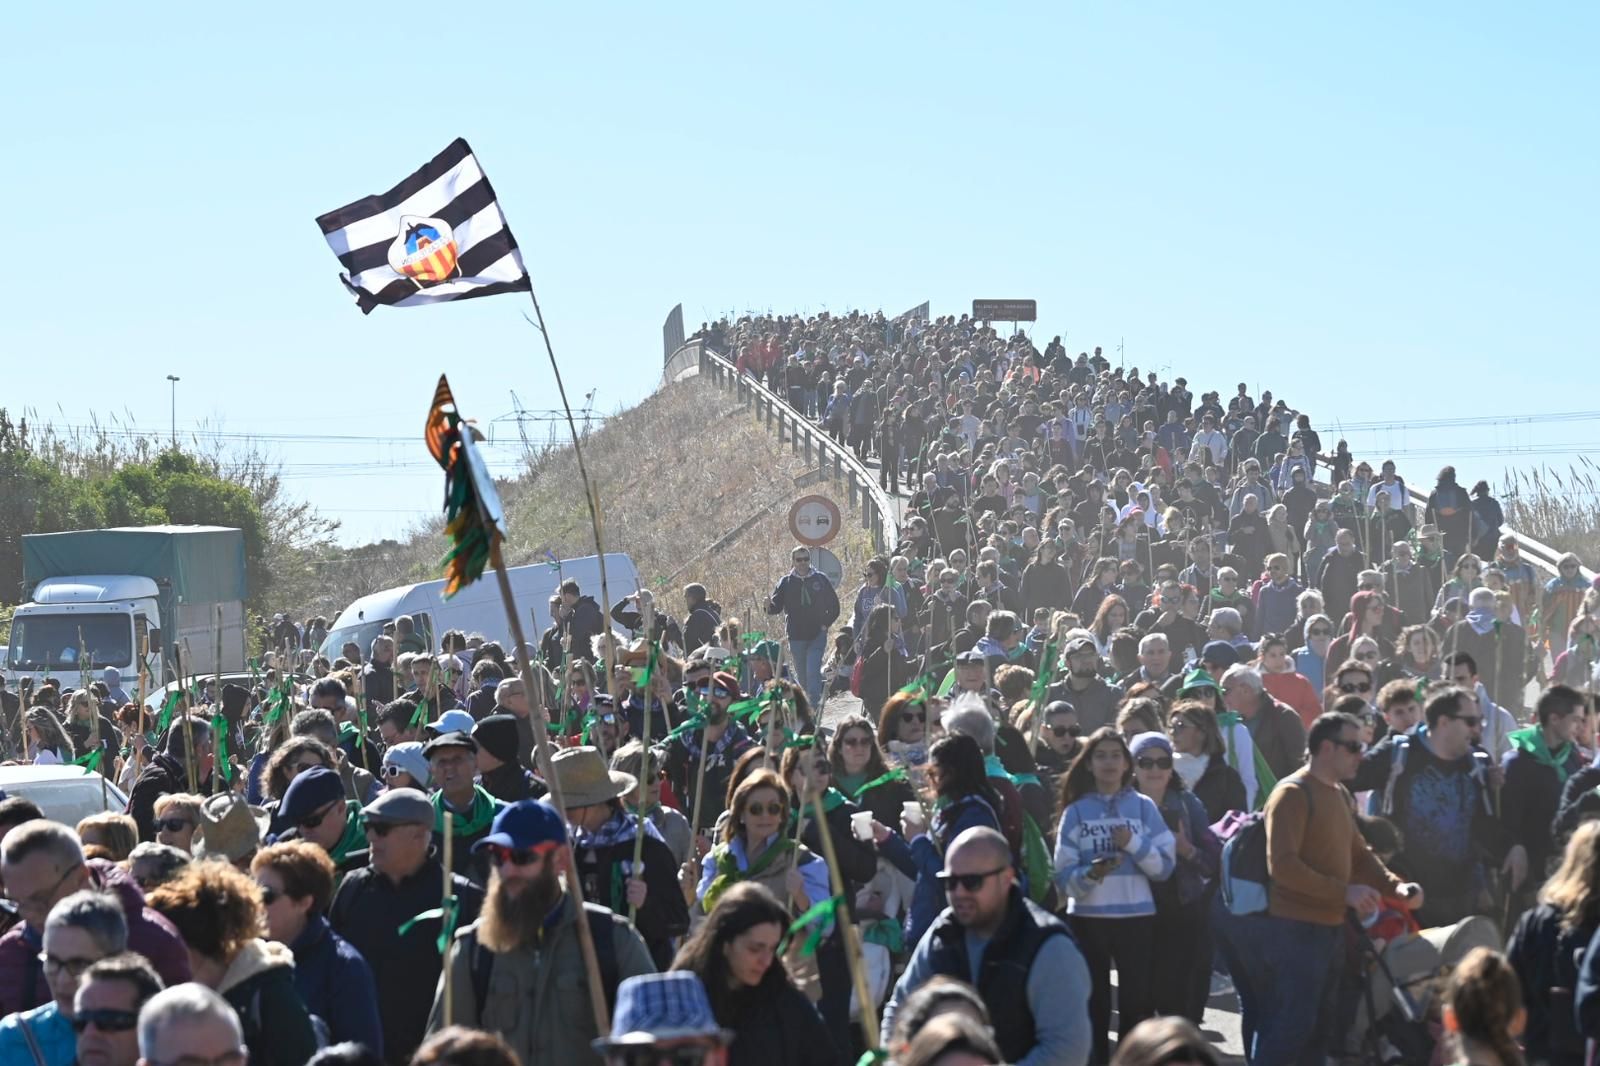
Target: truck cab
[(83, 624)]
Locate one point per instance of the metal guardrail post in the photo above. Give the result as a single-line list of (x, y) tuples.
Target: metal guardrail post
[(878, 510)]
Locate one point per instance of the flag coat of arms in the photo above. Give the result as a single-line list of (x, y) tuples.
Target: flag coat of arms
[(437, 236)]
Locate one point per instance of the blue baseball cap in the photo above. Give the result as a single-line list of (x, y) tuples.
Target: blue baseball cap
[(526, 824)]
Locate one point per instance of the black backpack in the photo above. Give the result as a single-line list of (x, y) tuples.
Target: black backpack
[(601, 928)]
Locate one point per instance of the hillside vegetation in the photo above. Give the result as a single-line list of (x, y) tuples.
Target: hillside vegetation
[(691, 486)]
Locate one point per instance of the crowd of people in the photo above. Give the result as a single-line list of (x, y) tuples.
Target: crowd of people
[(1153, 685)]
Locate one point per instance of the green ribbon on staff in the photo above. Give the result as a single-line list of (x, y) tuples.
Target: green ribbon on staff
[(747, 711), (168, 708), (688, 725), (817, 918), (91, 761), (897, 774), (219, 727), (447, 912)]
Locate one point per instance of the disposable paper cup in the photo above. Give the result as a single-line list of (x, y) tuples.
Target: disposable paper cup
[(861, 825)]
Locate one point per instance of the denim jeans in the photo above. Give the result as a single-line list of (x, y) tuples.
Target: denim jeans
[(808, 665), (1286, 973)]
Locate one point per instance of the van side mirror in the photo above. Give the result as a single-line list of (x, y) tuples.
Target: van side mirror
[(154, 638)]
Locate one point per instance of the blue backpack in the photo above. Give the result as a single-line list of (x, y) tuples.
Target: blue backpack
[(1243, 876)]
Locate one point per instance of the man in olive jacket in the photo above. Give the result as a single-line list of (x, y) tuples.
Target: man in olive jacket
[(518, 970)]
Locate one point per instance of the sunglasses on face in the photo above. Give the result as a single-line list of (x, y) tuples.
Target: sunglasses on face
[(316, 818), (1162, 763), (174, 825), (501, 856), (379, 829), (107, 1021), (856, 742), (1347, 687), (1471, 721), (391, 770), (1066, 730), (917, 715), (1354, 747), (771, 810), (966, 882), (269, 895)]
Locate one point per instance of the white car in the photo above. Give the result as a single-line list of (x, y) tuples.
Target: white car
[(64, 793)]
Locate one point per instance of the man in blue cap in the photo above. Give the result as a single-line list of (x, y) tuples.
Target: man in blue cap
[(518, 970), (664, 1017)]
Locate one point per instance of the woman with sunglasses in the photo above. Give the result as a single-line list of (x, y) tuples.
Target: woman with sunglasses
[(756, 847), (860, 770), (404, 767), (1353, 679), (334, 981), (1058, 743), (1183, 901), (218, 912), (1201, 760), (963, 799), (1464, 577), (177, 817), (736, 953), (1111, 844)]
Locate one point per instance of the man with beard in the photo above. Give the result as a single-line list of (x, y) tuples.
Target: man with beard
[(1093, 699), (518, 969), (725, 739)]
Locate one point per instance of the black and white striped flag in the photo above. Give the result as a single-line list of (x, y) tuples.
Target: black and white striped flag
[(437, 236)]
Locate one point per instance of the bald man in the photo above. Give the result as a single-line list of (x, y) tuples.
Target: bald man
[(1020, 957)]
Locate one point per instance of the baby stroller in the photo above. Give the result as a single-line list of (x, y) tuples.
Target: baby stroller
[(1399, 981)]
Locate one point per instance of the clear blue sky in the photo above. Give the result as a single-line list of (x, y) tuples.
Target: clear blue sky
[(1384, 215)]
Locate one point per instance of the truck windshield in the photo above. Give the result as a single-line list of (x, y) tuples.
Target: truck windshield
[(361, 634), (53, 641)]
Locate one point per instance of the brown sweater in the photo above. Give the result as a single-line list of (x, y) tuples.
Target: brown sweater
[(1312, 860)]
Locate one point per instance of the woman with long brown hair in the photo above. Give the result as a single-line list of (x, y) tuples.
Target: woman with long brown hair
[(1546, 943), (756, 846), (1111, 844), (735, 953)]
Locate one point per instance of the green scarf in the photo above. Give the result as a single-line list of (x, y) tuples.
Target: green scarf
[(831, 800), (484, 808), (897, 774), (354, 838), (728, 873), (1531, 742)]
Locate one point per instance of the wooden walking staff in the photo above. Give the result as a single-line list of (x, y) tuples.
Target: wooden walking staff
[(476, 528), (216, 703), (447, 900), (651, 664), (25, 694), (188, 727), (847, 927)]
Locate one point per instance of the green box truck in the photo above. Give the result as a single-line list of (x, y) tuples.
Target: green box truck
[(104, 598)]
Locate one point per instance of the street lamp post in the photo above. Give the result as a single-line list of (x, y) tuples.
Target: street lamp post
[(174, 379)]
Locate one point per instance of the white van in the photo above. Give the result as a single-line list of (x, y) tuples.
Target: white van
[(477, 608)]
